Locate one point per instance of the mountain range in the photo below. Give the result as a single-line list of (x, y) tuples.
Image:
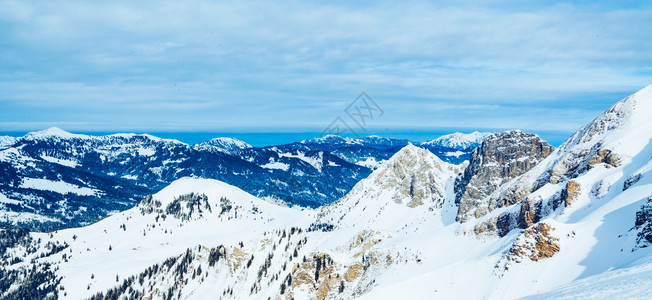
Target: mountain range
[(54, 179), (519, 219)]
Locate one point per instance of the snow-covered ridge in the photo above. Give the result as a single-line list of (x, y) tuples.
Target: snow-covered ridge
[(223, 144), (458, 140), (600, 161), (332, 139), (58, 133), (188, 212), (7, 141), (369, 141), (58, 187), (631, 114), (54, 132)]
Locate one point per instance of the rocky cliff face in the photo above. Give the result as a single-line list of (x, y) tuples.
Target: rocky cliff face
[(607, 155), (643, 225), (501, 157)]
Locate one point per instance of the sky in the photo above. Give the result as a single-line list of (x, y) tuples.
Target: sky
[(297, 66)]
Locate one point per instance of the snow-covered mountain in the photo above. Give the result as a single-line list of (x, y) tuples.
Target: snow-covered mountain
[(600, 161), (335, 141), (458, 140), (367, 152), (54, 179), (410, 185), (332, 140), (7, 141), (571, 222), (206, 214), (222, 144)]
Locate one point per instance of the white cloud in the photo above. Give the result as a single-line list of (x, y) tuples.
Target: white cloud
[(293, 63)]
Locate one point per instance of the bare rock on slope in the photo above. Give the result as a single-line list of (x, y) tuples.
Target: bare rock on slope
[(501, 157)]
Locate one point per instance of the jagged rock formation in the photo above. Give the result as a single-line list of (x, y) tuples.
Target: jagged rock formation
[(413, 177), (501, 157), (571, 192), (607, 144), (643, 225), (535, 243)]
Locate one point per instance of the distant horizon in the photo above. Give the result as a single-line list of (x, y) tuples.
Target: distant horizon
[(106, 66), (262, 138)]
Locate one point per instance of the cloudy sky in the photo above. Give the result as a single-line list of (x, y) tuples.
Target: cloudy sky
[(264, 66)]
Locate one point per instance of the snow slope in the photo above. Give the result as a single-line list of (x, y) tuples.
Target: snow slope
[(624, 283), (131, 241), (593, 247)]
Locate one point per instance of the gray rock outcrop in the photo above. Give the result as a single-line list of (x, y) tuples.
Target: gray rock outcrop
[(501, 157)]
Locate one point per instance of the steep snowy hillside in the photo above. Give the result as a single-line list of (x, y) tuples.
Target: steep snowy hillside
[(186, 214), (458, 140), (601, 160)]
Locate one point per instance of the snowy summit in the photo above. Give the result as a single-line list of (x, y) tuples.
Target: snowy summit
[(222, 144), (458, 140)]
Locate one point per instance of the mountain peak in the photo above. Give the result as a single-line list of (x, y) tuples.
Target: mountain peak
[(53, 132), (331, 139), (458, 140), (413, 151), (222, 144), (412, 181), (632, 113)]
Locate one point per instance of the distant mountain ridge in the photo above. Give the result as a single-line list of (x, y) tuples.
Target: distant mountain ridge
[(55, 179), (223, 144), (458, 140)]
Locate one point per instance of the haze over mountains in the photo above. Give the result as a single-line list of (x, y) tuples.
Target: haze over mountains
[(519, 218)]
